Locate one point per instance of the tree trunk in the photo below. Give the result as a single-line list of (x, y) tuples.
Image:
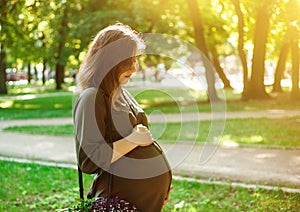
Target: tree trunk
[(3, 77), (280, 68), (241, 43), (295, 64), (28, 73), (219, 69), (256, 88), (43, 72), (59, 71), (200, 43), (198, 26), (35, 74), (59, 76), (44, 60)]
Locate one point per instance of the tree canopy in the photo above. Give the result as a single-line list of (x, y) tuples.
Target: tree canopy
[(55, 34)]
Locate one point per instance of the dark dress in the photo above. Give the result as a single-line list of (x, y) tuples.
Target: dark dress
[(142, 176)]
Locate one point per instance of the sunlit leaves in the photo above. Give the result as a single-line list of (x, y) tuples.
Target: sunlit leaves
[(32, 23)]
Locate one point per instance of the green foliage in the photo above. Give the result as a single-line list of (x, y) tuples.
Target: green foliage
[(58, 32), (82, 206), (39, 24)]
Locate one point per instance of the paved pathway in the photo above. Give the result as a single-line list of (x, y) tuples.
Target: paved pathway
[(253, 165)]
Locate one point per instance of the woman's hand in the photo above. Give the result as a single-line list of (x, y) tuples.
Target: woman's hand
[(140, 136)]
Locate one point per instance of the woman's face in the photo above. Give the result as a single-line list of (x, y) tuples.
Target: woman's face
[(125, 76)]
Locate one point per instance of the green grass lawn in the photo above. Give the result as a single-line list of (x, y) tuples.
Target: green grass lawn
[(44, 107), (31, 187), (167, 100), (36, 88), (174, 101), (265, 131)]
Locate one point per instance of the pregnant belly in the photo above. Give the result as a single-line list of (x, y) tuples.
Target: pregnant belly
[(142, 162)]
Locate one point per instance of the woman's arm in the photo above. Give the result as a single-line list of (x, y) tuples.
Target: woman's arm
[(93, 152), (140, 136)]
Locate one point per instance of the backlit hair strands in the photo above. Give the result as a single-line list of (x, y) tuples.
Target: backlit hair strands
[(110, 54)]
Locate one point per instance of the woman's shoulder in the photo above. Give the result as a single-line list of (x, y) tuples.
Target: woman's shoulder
[(90, 95), (91, 92)]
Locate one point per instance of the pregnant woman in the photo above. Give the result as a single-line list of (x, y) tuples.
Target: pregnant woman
[(111, 130)]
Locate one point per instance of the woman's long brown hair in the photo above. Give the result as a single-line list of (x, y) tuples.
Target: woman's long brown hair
[(98, 58)]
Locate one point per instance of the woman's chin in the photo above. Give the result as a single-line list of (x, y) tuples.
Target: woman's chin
[(124, 81)]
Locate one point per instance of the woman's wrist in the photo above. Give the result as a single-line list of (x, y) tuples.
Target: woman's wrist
[(121, 148)]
